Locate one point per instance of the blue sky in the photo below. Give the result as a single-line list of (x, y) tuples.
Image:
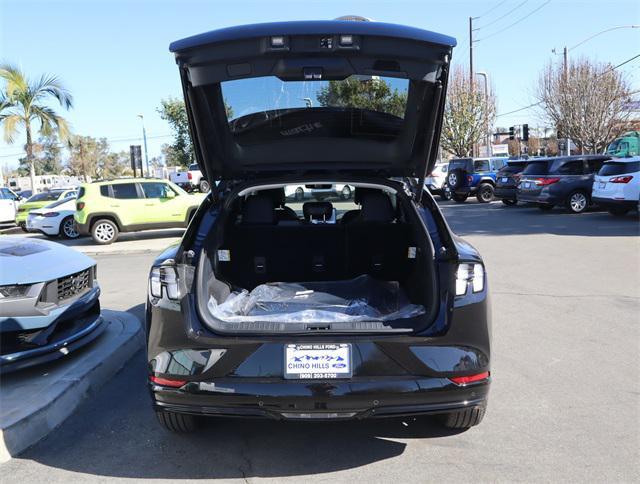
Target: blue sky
[(114, 55)]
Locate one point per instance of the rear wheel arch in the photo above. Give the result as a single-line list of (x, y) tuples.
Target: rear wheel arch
[(93, 218)]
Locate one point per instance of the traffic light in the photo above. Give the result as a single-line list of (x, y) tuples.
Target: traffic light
[(512, 132), (525, 132)]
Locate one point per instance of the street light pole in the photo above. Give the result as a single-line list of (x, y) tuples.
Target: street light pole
[(146, 152), (486, 104)]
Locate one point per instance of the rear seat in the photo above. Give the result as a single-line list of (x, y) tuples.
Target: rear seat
[(263, 250)]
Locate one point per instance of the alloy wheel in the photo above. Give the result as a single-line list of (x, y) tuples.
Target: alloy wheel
[(578, 202), (69, 228), (104, 232)]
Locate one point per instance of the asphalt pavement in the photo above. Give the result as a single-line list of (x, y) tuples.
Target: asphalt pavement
[(564, 404)]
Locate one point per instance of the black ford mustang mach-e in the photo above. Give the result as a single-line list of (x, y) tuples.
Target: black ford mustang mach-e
[(291, 307)]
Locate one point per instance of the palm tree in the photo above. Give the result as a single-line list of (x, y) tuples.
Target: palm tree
[(23, 102)]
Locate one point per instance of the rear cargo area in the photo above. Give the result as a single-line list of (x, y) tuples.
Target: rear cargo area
[(323, 265)]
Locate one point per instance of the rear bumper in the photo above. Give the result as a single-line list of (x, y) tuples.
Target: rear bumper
[(326, 400), (538, 198), (506, 193), (613, 203), (83, 229)]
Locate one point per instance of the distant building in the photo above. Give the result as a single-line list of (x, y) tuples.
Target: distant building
[(45, 182)]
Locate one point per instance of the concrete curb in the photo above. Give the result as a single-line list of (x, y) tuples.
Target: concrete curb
[(36, 401)]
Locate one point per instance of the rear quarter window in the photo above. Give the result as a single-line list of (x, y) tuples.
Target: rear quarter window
[(104, 191), (619, 168)]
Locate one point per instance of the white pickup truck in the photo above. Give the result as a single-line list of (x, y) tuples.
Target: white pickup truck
[(191, 179)]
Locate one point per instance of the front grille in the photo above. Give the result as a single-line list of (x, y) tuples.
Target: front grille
[(74, 284)]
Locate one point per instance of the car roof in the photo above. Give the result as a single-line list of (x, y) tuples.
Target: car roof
[(311, 27), (629, 159), (126, 180)]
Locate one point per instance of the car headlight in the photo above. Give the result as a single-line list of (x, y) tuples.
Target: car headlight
[(14, 290), (164, 277), (469, 275)]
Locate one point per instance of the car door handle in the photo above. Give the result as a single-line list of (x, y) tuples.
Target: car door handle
[(149, 204), (114, 206)]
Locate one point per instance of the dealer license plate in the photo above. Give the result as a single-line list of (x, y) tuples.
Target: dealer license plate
[(317, 361)]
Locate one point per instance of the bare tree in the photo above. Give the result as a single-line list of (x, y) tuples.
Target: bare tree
[(468, 115), (589, 102)]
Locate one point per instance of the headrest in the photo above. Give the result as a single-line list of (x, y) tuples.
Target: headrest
[(258, 209), (376, 207), (317, 210), (276, 194), (359, 192)]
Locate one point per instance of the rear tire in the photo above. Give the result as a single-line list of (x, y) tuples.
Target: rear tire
[(485, 193), (510, 203), (445, 195), (299, 194), (577, 202), (204, 186), (68, 228), (23, 226), (104, 231), (464, 419), (460, 198), (618, 211), (176, 422), (346, 192)]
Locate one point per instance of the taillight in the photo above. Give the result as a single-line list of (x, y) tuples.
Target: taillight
[(621, 179), (517, 176), (543, 182), (189, 175), (50, 214), (165, 382), (80, 206), (465, 380), (469, 178)]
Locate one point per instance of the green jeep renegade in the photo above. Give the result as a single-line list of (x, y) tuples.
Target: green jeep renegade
[(106, 208)]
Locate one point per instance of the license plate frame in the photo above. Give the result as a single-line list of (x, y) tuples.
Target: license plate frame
[(319, 361)]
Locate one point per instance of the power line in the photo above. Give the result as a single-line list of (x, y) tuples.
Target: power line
[(502, 16), (491, 9), (599, 75), (514, 23)]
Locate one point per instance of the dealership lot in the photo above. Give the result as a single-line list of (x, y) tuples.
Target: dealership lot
[(563, 405)]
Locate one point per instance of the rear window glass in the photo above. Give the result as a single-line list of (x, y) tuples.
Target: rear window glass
[(124, 190), (194, 167), (45, 197), (263, 109), (58, 203), (460, 165), (510, 169), (536, 168), (618, 168)]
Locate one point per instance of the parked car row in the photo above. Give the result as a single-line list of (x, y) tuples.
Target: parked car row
[(576, 182)]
